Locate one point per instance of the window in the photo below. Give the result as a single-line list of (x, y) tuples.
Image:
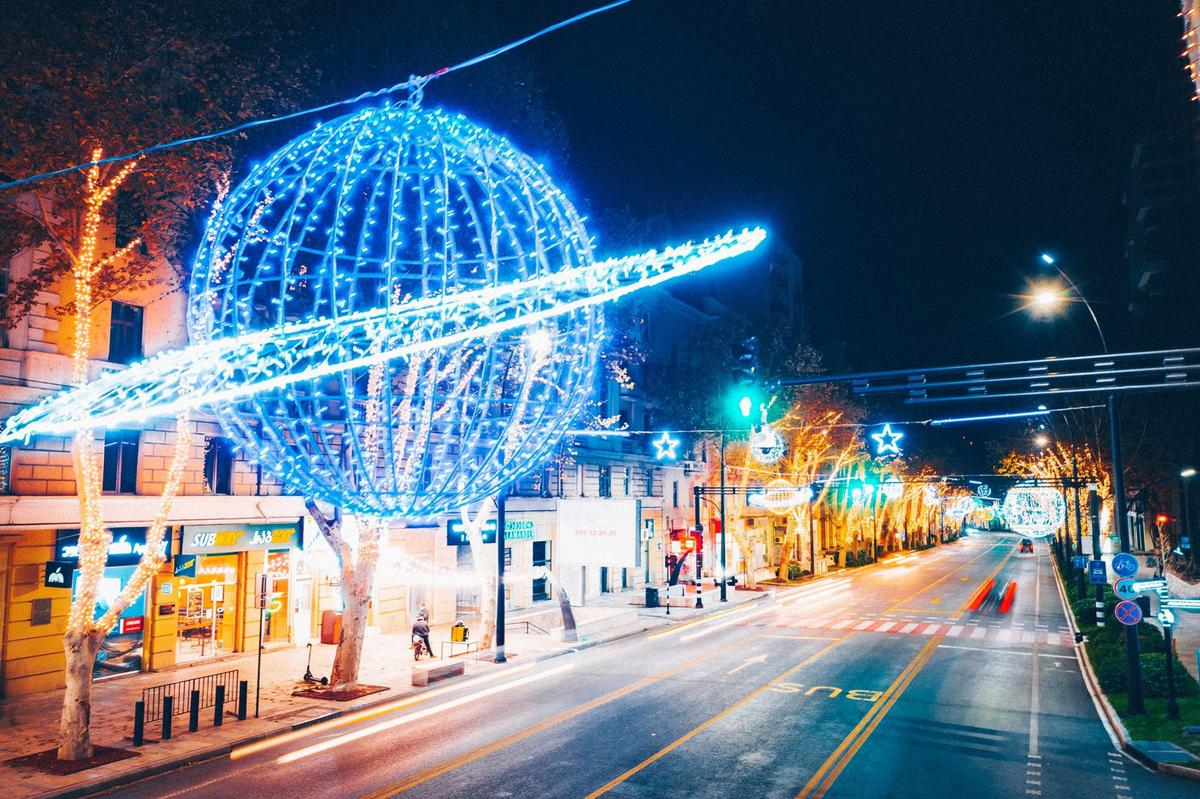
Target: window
[(649, 482), (218, 465), (125, 334), (120, 461), (580, 476), (6, 470), (628, 481), (130, 216), (674, 493), (606, 481)]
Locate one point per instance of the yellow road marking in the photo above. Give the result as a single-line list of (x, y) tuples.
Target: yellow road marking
[(958, 568), (450, 765), (935, 601), (608, 786), (823, 779)]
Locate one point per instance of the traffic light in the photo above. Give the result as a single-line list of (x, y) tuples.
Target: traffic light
[(1162, 519), (745, 374), (745, 362)]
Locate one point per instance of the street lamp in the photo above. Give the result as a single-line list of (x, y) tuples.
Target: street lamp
[(1041, 440), (1132, 648), (1185, 478)]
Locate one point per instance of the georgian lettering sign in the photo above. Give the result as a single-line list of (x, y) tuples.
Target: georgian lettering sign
[(126, 548), (208, 539)]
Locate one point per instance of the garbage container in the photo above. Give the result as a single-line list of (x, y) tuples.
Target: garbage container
[(458, 633), (331, 627), (651, 597)]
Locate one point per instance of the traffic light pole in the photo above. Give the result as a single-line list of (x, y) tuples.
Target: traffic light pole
[(724, 573), (1094, 519), (1133, 655), (500, 498)]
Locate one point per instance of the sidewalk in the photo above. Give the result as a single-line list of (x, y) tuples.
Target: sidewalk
[(29, 724)]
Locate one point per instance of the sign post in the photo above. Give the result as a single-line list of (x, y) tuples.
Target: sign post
[(264, 585)]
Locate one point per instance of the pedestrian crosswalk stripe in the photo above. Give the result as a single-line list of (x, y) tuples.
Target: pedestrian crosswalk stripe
[(955, 630), (862, 625), (908, 628), (883, 628), (932, 629)]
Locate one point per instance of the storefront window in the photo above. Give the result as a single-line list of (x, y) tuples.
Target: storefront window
[(121, 650), (276, 617), (207, 616)]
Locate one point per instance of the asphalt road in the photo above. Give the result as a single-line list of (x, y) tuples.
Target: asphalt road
[(876, 683)]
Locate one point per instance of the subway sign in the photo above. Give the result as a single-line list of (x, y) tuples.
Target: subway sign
[(514, 530), (209, 539)]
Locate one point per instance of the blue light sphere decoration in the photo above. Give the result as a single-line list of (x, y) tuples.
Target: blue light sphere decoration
[(381, 209)]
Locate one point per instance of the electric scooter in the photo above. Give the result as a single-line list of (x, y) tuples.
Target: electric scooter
[(308, 675)]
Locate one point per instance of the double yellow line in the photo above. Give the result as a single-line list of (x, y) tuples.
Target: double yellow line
[(608, 786), (412, 781), (832, 768)]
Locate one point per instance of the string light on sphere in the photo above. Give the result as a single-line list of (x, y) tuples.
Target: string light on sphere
[(1034, 510), (397, 313)]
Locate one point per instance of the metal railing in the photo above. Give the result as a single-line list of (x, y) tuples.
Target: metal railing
[(180, 693), (528, 625)]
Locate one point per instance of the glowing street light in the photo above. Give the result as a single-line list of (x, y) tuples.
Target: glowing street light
[(1047, 259), (1041, 440), (1046, 298), (1188, 472)]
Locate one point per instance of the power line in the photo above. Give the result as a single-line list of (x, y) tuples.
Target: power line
[(414, 84)]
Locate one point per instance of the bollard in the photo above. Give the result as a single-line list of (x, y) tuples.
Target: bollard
[(219, 708), (168, 712), (243, 690), (194, 712), (139, 722)]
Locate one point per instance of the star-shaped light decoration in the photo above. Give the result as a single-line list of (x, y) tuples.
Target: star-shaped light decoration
[(887, 441), (664, 447)]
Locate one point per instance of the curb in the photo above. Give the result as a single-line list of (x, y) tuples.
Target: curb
[(1113, 719), (218, 750)]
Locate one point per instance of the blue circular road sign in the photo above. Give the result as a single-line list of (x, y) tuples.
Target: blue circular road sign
[(1124, 564), (1128, 613), (1124, 588)]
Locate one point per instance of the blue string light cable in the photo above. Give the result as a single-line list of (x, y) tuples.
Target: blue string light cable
[(414, 84)]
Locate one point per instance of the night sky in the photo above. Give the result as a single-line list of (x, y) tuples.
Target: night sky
[(917, 156)]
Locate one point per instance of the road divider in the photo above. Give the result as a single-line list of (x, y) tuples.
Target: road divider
[(608, 786), (827, 774)]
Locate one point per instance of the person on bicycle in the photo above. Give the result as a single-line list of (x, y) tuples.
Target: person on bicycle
[(421, 630)]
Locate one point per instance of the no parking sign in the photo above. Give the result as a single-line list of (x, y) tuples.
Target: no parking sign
[(1128, 613)]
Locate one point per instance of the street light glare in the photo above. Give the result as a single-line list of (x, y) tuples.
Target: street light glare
[(1047, 259), (1188, 472), (1046, 299), (1041, 440)]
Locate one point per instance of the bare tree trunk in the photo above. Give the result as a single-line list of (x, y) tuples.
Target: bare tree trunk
[(486, 575), (356, 597), (358, 580), (74, 728)]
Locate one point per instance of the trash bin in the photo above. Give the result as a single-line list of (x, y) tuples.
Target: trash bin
[(331, 627), (458, 633), (651, 597)]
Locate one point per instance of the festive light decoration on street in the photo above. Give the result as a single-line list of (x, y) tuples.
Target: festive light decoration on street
[(892, 488), (887, 441), (1190, 12), (767, 445), (1034, 510), (665, 447), (780, 497), (401, 237), (984, 490), (961, 508)]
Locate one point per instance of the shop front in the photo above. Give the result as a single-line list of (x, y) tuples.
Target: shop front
[(215, 578), (122, 650), (598, 544)]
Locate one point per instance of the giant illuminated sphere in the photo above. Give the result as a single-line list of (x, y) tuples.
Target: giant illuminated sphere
[(1034, 510), (384, 208)]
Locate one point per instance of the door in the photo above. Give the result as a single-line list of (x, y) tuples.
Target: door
[(541, 560), (302, 620)]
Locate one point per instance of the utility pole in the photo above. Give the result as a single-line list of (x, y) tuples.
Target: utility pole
[(500, 501), (1133, 655), (724, 578), (1094, 519)]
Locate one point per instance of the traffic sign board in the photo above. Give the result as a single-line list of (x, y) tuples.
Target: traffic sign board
[(1128, 613), (1097, 572), (1125, 565), (1079, 562), (1124, 588)]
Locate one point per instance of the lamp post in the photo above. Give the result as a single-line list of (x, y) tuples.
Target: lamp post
[(1046, 299)]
